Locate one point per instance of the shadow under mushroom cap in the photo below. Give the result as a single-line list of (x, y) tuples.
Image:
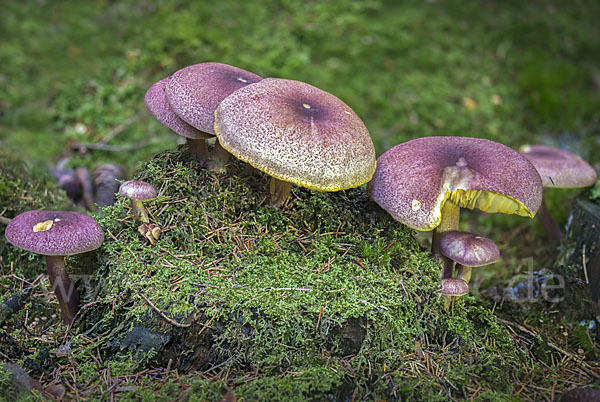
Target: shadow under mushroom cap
[(414, 179), (54, 232)]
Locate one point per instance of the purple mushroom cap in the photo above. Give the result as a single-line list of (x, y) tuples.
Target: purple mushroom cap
[(454, 287), (194, 92), (559, 168), (297, 133), (54, 232), (414, 179), (137, 190), (157, 104), (469, 249)]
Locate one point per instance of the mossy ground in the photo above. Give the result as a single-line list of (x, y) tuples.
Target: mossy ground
[(327, 298)]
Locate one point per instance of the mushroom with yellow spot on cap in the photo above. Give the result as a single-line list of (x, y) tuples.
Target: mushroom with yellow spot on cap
[(558, 168), (56, 234), (298, 134), (423, 183)]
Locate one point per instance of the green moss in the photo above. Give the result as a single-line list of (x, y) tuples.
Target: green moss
[(327, 296)]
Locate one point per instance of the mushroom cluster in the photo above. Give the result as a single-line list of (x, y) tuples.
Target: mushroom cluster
[(186, 101), (423, 183)]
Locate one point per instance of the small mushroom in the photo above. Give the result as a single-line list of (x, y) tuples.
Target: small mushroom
[(194, 92), (558, 169), (56, 234), (423, 183), (156, 102), (468, 250), (138, 191), (454, 287), (297, 134)]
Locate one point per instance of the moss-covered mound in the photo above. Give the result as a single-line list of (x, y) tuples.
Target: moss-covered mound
[(327, 299), (328, 296)]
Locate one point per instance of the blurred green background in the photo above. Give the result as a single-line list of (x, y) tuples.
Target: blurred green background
[(75, 72)]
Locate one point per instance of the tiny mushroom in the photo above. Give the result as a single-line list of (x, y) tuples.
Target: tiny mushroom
[(297, 134), (423, 183), (56, 234), (194, 92), (138, 191), (454, 287), (558, 169), (468, 250), (156, 102)]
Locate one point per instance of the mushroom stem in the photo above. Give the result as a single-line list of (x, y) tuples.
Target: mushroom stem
[(63, 288), (450, 218), (199, 149), (4, 220), (219, 158), (140, 211), (279, 192), (464, 273), (549, 224)]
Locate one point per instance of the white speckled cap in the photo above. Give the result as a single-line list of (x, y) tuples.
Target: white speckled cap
[(137, 190), (157, 104), (559, 168), (194, 92), (414, 179), (54, 232), (469, 249), (297, 133)]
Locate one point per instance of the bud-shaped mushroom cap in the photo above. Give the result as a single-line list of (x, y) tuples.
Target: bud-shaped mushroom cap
[(54, 232), (297, 133), (157, 104), (469, 249), (559, 168), (137, 190), (454, 287), (414, 179), (194, 92)]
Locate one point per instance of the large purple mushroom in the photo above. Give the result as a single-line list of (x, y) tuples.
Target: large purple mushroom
[(56, 234), (296, 133), (423, 183), (194, 92)]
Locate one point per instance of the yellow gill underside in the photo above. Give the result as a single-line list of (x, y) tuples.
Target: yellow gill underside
[(486, 201)]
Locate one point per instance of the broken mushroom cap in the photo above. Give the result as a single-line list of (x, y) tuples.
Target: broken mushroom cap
[(157, 104), (559, 168), (296, 133), (194, 92), (54, 232), (413, 180), (469, 249), (137, 190)]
